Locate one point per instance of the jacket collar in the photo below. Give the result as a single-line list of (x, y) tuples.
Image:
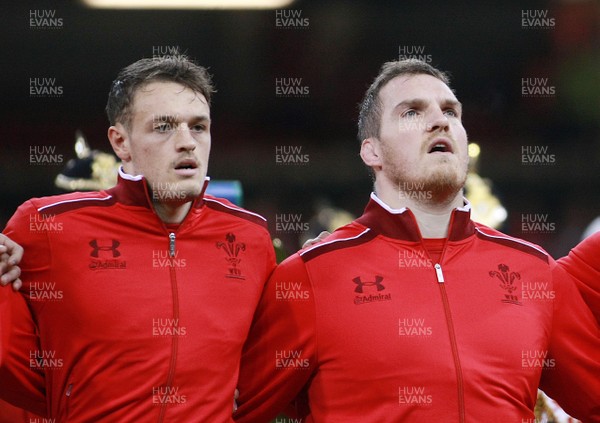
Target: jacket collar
[(133, 191), (402, 224)]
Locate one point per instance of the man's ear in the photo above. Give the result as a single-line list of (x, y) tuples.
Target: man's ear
[(119, 140), (370, 152)]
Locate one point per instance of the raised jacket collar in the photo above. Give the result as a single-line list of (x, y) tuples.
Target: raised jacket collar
[(133, 191), (402, 224)]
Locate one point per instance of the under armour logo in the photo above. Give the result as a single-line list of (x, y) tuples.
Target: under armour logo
[(96, 248), (360, 284)]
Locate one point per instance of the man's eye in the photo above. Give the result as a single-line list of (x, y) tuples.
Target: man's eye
[(451, 112), (198, 128), (410, 113)]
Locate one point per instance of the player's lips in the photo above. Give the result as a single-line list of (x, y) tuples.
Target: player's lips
[(440, 145), (186, 167)]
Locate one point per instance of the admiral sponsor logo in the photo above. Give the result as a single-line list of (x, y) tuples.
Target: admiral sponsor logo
[(536, 223), (537, 87), (537, 155), (233, 252), (536, 359), (285, 291), (44, 87), (413, 52), (44, 155), (414, 395), (167, 395), (166, 51), (167, 327), (162, 259), (44, 360), (537, 291), (289, 222), (290, 155), (291, 87), (44, 291), (507, 283), (44, 223), (413, 327), (414, 259), (370, 291), (44, 19), (105, 255), (290, 19), (290, 359), (537, 19)]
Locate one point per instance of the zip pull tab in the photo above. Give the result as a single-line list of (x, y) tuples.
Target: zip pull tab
[(172, 244), (438, 273)]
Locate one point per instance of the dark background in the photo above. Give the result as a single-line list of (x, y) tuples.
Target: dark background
[(483, 44)]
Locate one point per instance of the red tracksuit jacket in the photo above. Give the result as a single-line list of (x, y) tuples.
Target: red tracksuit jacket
[(135, 321), (583, 263), (376, 331)]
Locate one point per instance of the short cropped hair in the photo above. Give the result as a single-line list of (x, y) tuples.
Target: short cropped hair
[(369, 117), (179, 69)]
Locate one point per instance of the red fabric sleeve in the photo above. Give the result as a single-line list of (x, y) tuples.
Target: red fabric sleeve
[(573, 376), (21, 384), (583, 264), (279, 356)]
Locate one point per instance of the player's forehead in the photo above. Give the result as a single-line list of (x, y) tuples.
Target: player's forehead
[(419, 88), (168, 97)]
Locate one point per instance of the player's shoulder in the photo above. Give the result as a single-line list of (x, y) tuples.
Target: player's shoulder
[(351, 235), (58, 204), (589, 247), (518, 245), (227, 208)]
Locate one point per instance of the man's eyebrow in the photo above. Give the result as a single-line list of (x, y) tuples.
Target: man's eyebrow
[(176, 117), (411, 102), (453, 103), (419, 102)]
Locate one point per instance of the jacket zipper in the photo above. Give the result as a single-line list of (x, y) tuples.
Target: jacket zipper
[(457, 366), (172, 244), (175, 337)]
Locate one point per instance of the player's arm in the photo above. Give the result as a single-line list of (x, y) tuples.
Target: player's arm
[(279, 356), (572, 376), (21, 381), (10, 256), (583, 264)]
